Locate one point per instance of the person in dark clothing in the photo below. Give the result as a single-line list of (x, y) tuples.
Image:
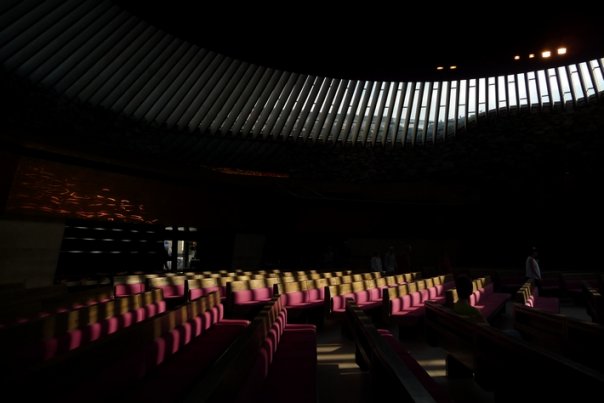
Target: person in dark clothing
[(464, 287)]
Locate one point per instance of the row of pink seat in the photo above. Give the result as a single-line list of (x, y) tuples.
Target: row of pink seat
[(405, 305), (313, 293), (528, 295), (276, 362), (184, 354), (156, 360), (199, 284), (28, 306), (305, 299), (488, 302), (366, 294), (58, 334), (285, 367), (365, 299)]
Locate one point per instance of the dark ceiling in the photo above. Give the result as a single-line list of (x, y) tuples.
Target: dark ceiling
[(382, 40)]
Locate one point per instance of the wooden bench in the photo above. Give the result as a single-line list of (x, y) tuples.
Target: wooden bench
[(510, 367), (395, 374), (594, 302), (576, 339), (572, 283)]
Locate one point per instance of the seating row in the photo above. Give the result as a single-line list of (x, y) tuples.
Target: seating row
[(33, 342), (158, 359), (275, 363), (132, 284), (24, 304), (366, 294), (484, 298), (559, 283), (404, 305), (242, 295), (528, 295)]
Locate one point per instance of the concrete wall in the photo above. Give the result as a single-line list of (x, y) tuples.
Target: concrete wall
[(247, 251), (29, 251)]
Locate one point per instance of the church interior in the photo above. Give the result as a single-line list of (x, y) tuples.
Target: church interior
[(231, 202)]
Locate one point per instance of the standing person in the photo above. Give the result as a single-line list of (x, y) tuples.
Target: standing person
[(532, 270), (390, 264), (376, 262)]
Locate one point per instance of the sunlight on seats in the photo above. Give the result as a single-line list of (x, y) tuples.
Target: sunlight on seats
[(335, 357), (328, 348)]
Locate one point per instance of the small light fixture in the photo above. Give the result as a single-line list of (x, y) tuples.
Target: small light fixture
[(531, 56), (545, 54), (440, 68), (561, 51), (517, 57), (452, 67)]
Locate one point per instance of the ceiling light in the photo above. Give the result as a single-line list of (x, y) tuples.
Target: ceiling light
[(439, 68), (453, 67), (517, 57), (545, 54), (531, 56), (561, 51)]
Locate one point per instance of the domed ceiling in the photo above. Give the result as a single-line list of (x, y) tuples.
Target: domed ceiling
[(384, 41)]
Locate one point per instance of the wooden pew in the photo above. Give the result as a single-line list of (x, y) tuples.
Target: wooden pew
[(392, 379), (572, 283), (594, 303), (578, 340), (510, 367)]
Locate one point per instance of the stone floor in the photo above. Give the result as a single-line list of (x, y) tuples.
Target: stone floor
[(341, 380)]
